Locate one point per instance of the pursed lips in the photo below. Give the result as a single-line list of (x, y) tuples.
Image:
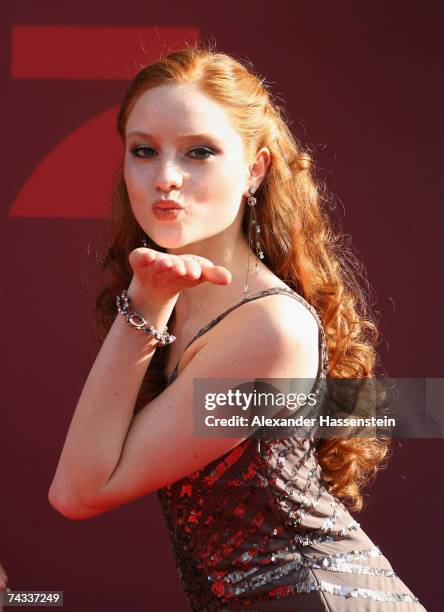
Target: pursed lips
[(167, 205)]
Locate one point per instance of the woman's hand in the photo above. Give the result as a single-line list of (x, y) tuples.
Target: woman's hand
[(160, 277)]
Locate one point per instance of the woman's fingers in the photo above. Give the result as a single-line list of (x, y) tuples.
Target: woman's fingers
[(210, 272), (218, 275), (179, 268), (142, 257), (163, 263), (193, 269), (202, 269), (149, 255)]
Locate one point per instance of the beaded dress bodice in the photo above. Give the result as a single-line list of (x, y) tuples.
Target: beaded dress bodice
[(256, 529)]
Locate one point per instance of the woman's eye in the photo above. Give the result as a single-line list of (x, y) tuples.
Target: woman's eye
[(147, 152), (202, 150), (137, 150)]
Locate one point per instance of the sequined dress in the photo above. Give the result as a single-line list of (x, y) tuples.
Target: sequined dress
[(255, 529)]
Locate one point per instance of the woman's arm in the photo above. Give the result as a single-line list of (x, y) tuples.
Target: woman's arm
[(274, 337), (105, 408), (104, 411)]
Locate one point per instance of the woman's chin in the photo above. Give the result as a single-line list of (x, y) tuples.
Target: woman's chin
[(165, 241)]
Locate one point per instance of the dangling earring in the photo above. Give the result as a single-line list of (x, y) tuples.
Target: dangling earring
[(254, 231), (144, 243)]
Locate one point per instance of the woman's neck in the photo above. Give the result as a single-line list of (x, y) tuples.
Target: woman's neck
[(207, 300)]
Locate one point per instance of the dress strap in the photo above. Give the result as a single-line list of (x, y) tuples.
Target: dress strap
[(323, 353)]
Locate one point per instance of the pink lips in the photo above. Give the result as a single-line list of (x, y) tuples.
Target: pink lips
[(167, 205), (166, 210)]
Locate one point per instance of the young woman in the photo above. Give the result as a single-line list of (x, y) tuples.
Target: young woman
[(212, 182)]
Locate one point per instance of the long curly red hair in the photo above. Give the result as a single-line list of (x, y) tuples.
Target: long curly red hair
[(298, 239)]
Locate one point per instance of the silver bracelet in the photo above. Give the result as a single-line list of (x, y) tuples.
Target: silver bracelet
[(138, 322)]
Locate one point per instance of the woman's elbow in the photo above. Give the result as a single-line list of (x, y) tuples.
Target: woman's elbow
[(70, 507)]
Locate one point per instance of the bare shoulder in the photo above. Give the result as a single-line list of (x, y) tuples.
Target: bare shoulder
[(278, 314), (277, 334)]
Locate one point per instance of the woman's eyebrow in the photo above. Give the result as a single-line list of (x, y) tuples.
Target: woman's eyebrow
[(179, 136)]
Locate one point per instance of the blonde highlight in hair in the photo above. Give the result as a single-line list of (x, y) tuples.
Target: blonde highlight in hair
[(297, 237)]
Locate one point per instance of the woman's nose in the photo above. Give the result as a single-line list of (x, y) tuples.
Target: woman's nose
[(168, 177)]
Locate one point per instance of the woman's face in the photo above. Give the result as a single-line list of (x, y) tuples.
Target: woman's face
[(180, 145)]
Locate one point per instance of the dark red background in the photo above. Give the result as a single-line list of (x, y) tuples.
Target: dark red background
[(362, 85)]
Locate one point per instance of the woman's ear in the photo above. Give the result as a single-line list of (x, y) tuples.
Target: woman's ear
[(259, 167)]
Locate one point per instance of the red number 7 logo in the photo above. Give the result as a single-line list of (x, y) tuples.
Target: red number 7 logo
[(74, 179)]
